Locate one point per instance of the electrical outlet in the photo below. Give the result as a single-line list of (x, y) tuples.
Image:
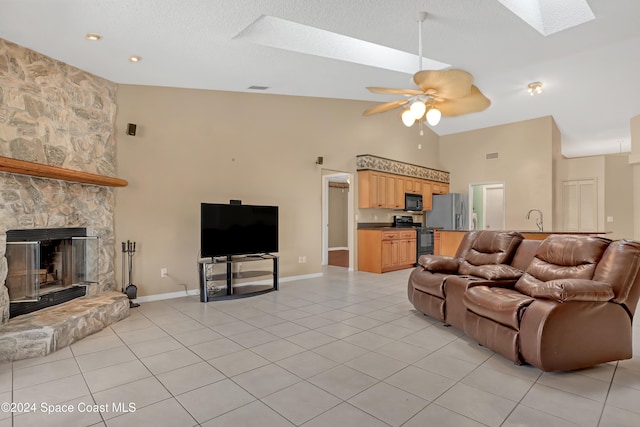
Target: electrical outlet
[(609, 219), (299, 260), (304, 259), (163, 272)]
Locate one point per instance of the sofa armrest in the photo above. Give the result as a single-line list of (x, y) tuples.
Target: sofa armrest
[(573, 290), (439, 263), (491, 271)]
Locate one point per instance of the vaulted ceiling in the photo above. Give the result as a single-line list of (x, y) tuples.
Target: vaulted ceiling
[(590, 72)]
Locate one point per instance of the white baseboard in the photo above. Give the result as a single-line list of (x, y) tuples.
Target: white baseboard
[(339, 248), (190, 292)]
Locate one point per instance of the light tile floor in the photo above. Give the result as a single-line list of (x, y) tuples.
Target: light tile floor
[(345, 349)]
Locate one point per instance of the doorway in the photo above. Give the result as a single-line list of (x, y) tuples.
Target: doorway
[(337, 226), (487, 203)]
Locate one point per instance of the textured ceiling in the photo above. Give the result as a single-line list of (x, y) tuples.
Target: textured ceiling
[(590, 71)]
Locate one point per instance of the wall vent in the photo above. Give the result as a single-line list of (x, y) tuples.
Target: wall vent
[(254, 87), (490, 156)]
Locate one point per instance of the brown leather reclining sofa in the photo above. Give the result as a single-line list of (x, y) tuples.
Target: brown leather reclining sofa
[(563, 303)]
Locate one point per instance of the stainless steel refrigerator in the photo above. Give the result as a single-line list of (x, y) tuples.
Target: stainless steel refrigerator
[(449, 211)]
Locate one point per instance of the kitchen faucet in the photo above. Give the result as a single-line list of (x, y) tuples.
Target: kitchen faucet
[(539, 220)]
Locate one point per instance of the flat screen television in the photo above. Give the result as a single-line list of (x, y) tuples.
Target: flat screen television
[(237, 229)]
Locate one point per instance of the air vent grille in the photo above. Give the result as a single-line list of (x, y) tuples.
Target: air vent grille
[(490, 156), (258, 87)]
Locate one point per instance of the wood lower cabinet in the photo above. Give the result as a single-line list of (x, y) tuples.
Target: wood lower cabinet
[(447, 242), (382, 250)]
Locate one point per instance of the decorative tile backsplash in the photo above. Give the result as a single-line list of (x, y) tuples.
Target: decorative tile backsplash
[(369, 162)]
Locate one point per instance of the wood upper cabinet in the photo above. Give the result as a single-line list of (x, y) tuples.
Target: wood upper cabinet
[(440, 188), (400, 190), (372, 189), (426, 196), (413, 186), (385, 190)]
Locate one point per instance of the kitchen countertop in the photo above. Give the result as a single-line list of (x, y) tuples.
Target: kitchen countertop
[(537, 231)]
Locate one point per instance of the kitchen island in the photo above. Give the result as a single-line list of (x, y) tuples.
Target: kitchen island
[(446, 242)]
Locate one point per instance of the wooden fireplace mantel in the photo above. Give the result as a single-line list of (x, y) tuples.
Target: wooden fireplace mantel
[(23, 167)]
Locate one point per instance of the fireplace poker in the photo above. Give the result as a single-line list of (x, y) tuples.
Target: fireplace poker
[(132, 290), (124, 251)]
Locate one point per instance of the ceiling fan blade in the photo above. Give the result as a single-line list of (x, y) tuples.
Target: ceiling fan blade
[(471, 103), (381, 108), (409, 92), (448, 84)]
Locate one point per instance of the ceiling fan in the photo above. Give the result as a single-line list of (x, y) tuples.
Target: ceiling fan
[(440, 93)]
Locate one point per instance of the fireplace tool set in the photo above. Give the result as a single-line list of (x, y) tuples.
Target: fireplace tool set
[(128, 249)]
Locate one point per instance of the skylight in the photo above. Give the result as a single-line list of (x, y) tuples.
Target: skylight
[(282, 34), (550, 16)]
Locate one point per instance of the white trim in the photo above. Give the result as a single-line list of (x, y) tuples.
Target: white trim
[(191, 292), (343, 248)]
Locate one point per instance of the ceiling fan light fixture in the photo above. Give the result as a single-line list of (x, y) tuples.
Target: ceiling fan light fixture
[(418, 109), (433, 116), (408, 118)]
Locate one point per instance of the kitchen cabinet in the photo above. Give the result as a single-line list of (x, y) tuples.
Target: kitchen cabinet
[(440, 188), (447, 241), (386, 191), (400, 190), (382, 250), (372, 189), (413, 186), (427, 192)]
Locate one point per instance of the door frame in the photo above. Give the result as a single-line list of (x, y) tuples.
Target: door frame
[(325, 215), (485, 185)]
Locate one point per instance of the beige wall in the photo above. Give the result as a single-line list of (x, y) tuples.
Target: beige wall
[(524, 165), (206, 146), (617, 203)]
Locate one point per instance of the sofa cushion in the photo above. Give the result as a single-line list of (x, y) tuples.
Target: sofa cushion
[(439, 263), (572, 290), (501, 305), (493, 247), (490, 271), (560, 257)]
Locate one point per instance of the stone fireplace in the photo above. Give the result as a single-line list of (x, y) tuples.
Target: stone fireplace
[(53, 114)]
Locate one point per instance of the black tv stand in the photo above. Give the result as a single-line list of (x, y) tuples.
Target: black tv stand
[(229, 260)]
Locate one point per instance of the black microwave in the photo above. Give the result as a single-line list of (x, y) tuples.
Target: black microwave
[(413, 202)]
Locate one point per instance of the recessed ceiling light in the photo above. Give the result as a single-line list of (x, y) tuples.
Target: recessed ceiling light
[(533, 88), (93, 36), (135, 58)]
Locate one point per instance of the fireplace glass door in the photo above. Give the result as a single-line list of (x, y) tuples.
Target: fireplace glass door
[(36, 268)]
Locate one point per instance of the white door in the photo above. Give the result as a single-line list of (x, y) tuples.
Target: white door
[(493, 207), (580, 205)]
